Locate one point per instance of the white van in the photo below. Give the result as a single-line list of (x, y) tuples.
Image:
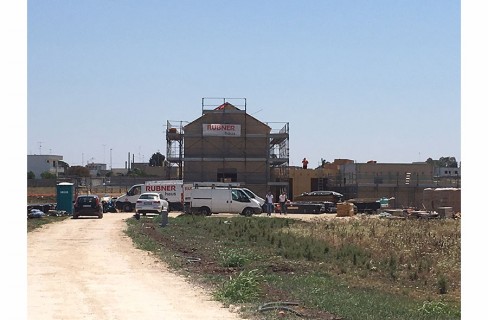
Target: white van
[(252, 195), (207, 201), (170, 190)]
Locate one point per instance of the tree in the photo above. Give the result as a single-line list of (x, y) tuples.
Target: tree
[(31, 175), (449, 162), (445, 162), (48, 175), (78, 171), (157, 160), (136, 172)]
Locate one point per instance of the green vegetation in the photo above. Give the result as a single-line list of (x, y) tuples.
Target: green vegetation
[(245, 287), (48, 175), (356, 269), (35, 223)]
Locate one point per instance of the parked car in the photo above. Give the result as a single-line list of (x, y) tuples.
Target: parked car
[(88, 205), (151, 202)]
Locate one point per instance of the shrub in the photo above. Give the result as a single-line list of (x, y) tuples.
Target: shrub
[(233, 258), (243, 288), (442, 284), (434, 309)]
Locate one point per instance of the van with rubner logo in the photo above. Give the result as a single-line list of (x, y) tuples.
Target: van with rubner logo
[(169, 190)]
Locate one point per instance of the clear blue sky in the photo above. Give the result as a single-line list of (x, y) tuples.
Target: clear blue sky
[(362, 80)]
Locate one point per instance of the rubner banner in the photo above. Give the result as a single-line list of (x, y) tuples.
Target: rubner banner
[(222, 130)]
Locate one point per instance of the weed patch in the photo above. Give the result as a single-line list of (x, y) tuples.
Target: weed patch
[(361, 269), (35, 223)]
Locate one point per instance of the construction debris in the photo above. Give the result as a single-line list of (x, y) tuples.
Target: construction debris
[(345, 209), (282, 306)]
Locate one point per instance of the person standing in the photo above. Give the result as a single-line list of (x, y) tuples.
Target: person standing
[(269, 203), (305, 163), (283, 199)]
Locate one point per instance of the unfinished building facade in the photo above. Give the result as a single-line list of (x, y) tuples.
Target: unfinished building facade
[(226, 144)]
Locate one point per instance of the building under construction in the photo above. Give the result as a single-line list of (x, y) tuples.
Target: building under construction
[(226, 144)]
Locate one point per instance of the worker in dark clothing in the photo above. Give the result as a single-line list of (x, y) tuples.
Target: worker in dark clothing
[(305, 163)]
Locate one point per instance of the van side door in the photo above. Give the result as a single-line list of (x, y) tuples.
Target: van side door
[(221, 200)]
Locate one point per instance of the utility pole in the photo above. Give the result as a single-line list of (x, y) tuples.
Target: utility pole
[(40, 147), (110, 159)]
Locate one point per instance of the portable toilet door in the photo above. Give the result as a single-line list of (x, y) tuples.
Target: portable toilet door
[(65, 197)]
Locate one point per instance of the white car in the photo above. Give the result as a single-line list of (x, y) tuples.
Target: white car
[(151, 202)]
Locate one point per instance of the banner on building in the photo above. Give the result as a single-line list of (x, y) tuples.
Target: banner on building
[(221, 130)]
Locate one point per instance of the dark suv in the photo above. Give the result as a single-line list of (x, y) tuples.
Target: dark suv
[(88, 205)]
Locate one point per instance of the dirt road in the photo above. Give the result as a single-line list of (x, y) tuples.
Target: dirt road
[(88, 269)]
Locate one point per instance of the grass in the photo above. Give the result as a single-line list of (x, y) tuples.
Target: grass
[(35, 223), (355, 269)]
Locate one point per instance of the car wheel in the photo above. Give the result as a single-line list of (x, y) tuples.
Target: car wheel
[(205, 211), (100, 216), (247, 212), (127, 207)]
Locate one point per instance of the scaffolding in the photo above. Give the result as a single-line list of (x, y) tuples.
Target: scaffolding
[(266, 168), (279, 154), (210, 105), (174, 146)]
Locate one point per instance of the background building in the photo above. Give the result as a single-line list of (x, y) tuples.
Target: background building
[(39, 164), (225, 144), (228, 145)]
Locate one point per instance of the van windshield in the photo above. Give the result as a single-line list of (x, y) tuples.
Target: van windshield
[(248, 193), (239, 195)]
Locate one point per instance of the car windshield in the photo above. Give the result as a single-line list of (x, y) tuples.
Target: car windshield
[(87, 200), (148, 196)]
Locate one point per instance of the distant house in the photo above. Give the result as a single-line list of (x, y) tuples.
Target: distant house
[(96, 168), (39, 164), (447, 172)]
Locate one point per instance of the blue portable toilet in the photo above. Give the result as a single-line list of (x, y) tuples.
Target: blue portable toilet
[(65, 197)]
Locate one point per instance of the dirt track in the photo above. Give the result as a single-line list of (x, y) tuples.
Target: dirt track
[(88, 269)]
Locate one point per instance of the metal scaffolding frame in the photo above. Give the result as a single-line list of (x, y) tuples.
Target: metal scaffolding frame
[(275, 158)]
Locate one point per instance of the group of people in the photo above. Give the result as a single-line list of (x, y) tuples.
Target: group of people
[(269, 203), (282, 198)]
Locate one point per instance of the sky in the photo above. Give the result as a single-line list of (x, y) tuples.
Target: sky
[(361, 80)]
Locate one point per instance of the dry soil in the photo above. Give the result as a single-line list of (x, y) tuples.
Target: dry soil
[(89, 269)]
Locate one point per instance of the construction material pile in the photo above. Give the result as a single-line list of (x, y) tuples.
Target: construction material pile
[(345, 209), (442, 197)]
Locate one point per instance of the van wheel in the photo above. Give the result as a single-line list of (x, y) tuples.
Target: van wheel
[(247, 212), (127, 207), (205, 211)]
